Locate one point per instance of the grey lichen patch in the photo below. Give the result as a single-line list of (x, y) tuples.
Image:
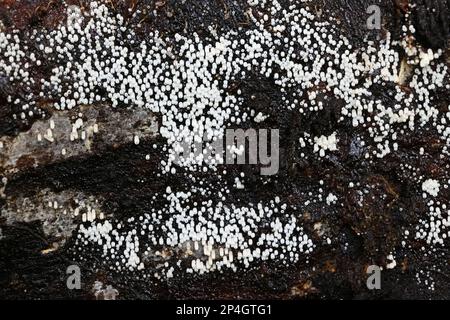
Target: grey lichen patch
[(70, 133), (104, 292), (59, 213)]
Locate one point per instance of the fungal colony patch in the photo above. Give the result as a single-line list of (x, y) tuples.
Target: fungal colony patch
[(189, 82)]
